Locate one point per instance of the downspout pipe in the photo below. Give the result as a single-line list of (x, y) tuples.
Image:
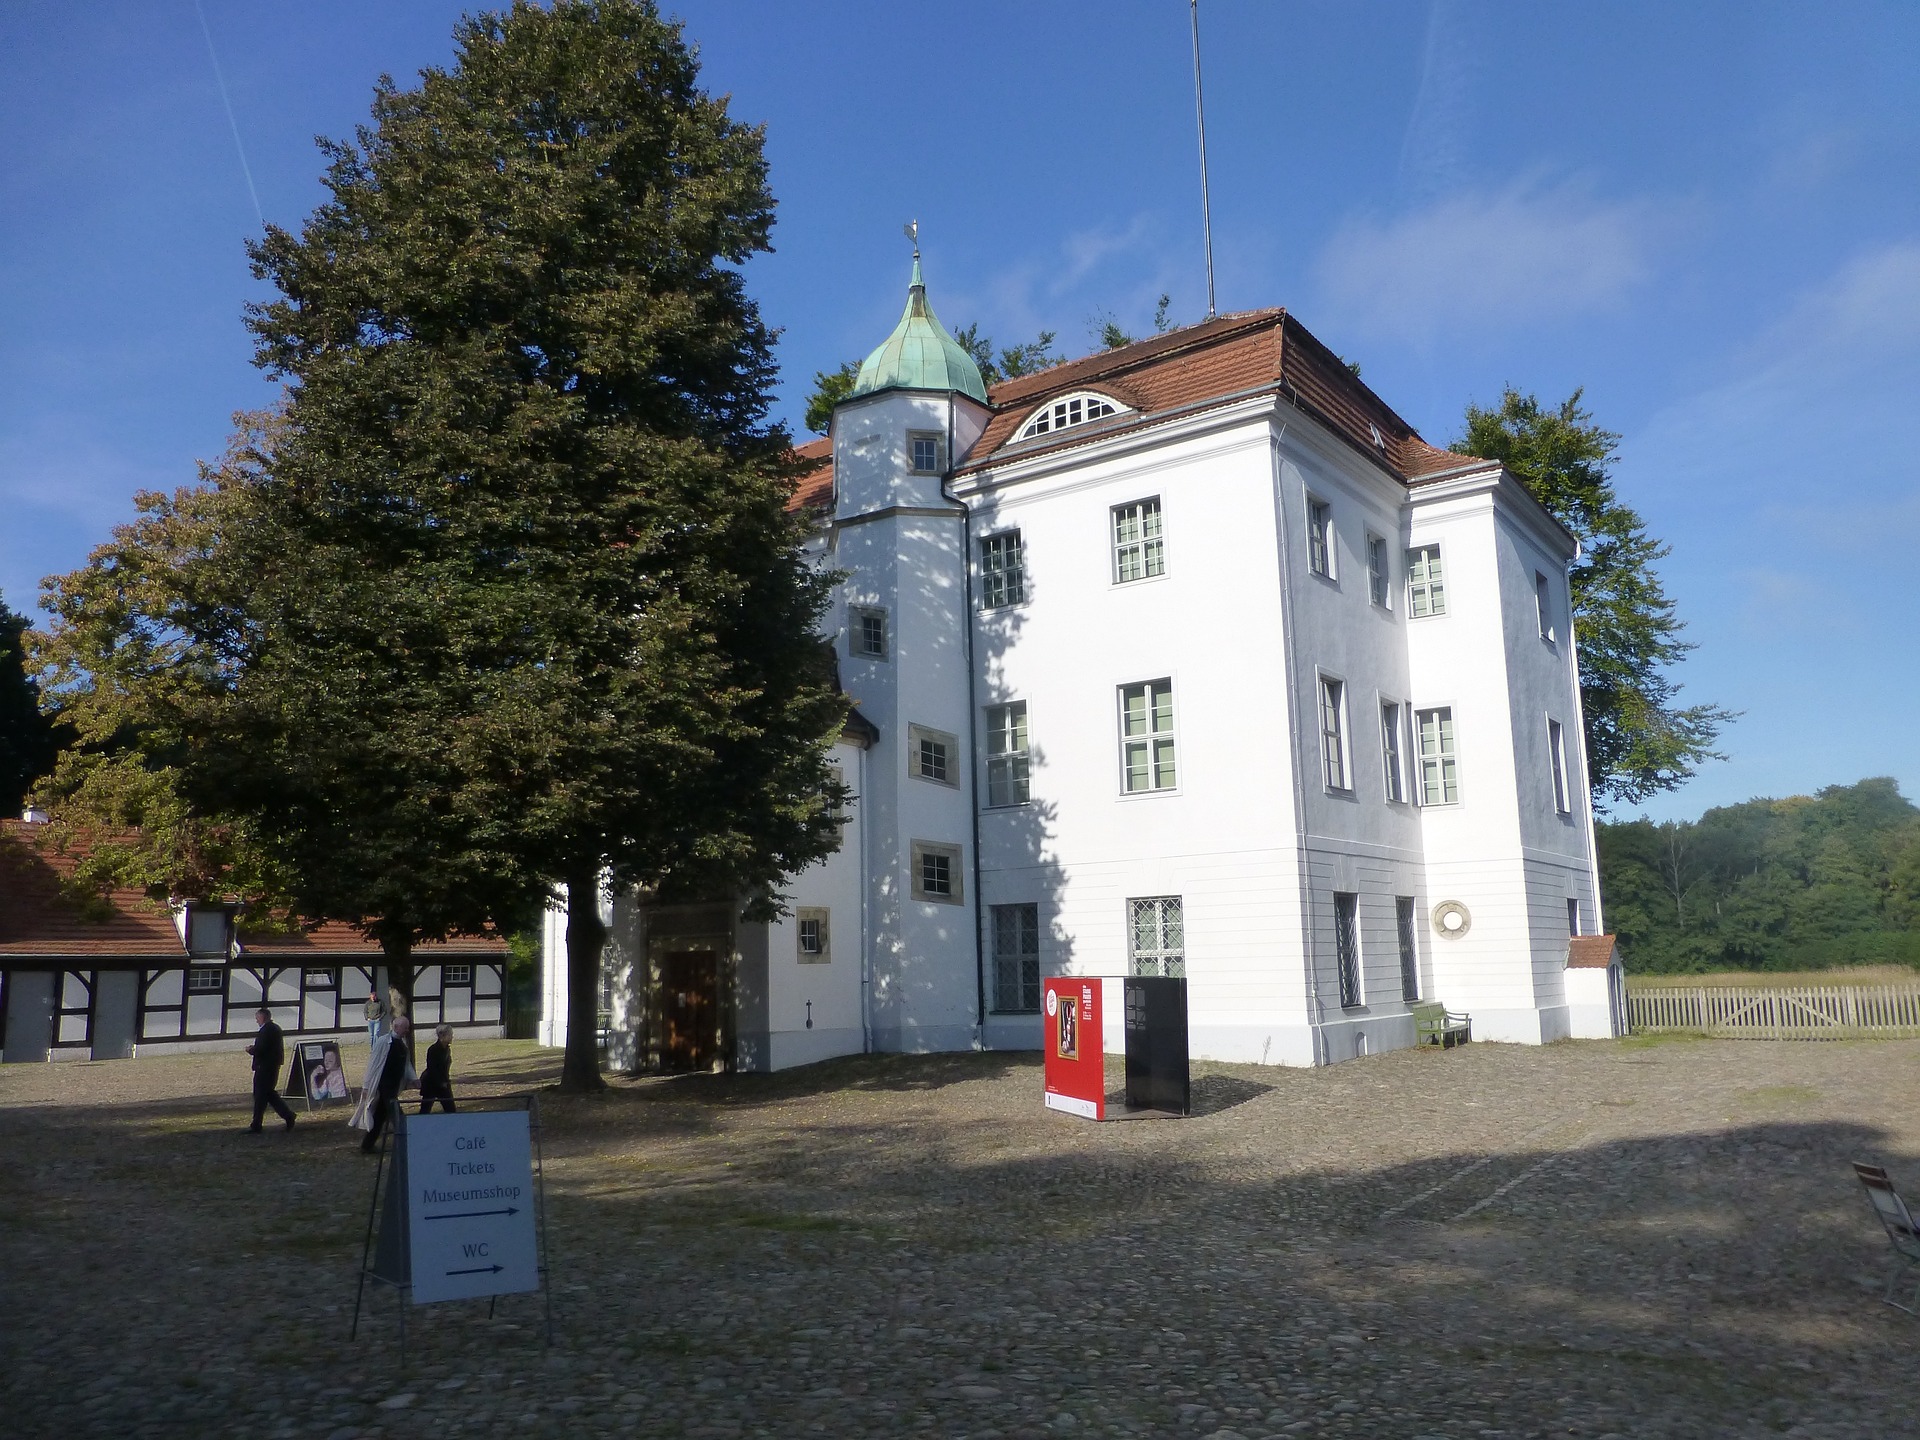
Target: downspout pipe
[(973, 739)]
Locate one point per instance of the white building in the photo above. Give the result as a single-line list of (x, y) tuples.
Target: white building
[(1189, 657)]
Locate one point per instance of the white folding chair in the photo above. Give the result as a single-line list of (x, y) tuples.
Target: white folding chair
[(1900, 1228)]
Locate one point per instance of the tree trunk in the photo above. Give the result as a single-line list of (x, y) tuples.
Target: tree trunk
[(586, 938), (396, 954)]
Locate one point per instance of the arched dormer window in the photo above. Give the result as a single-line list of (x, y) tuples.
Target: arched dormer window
[(1068, 411)]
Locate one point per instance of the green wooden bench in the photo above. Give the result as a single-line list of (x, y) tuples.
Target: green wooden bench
[(1434, 1024)]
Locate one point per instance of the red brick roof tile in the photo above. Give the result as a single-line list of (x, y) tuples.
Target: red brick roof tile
[(1591, 952)]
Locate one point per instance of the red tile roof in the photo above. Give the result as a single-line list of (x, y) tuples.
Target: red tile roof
[(1248, 353), (1591, 952), (38, 920)]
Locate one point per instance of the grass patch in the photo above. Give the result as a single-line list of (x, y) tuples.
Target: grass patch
[(1648, 1040), (1774, 1097), (1843, 975)]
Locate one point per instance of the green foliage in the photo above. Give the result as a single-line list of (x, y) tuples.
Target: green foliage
[(1012, 361), (1796, 884), (1638, 741), (28, 741), (1107, 332), (830, 387)]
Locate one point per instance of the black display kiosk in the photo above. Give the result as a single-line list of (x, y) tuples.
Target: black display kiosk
[(1157, 1073)]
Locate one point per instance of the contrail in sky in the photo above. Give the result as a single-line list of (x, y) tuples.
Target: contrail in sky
[(232, 124)]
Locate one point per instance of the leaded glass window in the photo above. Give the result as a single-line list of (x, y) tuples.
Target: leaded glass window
[(1003, 570), (1156, 936), (1016, 958)]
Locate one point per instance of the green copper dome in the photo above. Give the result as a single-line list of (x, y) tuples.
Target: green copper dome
[(920, 354)]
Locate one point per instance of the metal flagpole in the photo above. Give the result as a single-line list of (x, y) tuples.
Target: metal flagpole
[(1200, 112)]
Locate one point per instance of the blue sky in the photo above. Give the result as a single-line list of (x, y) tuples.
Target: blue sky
[(1707, 215)]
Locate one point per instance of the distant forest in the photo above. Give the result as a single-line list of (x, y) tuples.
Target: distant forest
[(1804, 883)]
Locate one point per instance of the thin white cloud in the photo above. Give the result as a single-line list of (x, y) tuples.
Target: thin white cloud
[(1527, 255)]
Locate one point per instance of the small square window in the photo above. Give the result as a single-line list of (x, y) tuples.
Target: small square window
[(456, 975), (321, 979), (1426, 584), (810, 929), (933, 755), (1320, 537), (1139, 548), (867, 631), (206, 980), (927, 451), (1157, 936), (937, 874), (1003, 571), (1378, 587)]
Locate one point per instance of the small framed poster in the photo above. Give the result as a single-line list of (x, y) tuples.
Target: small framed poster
[(1074, 1062), (318, 1073)]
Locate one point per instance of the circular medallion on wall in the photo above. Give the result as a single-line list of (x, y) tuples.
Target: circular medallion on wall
[(1451, 919), (1053, 1002)]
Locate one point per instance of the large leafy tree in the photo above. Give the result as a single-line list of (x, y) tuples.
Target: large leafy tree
[(28, 741), (1639, 739), (530, 510)]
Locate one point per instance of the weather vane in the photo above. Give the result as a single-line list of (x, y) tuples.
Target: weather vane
[(912, 229)]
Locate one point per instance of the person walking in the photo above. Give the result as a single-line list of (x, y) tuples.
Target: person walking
[(436, 1081), (389, 1071), (269, 1051), (376, 1016)]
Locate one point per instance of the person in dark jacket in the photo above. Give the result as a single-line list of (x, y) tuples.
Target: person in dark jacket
[(383, 1089), (269, 1051), (436, 1081)]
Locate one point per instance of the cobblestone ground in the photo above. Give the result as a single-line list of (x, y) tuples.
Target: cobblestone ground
[(1595, 1239)]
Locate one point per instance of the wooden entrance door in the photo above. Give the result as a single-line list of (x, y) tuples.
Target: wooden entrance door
[(689, 1009)]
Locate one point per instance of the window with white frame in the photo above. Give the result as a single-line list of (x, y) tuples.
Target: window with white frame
[(320, 979), (1426, 583), (1346, 945), (1391, 761), (1557, 756), (1156, 936), (936, 873), (1016, 959), (1543, 606), (1003, 570), (456, 975), (1333, 733), (933, 755), (1066, 412), (1409, 949), (926, 451), (1146, 736), (1573, 916), (1379, 587), (1139, 548), (1439, 765), (811, 936), (1007, 767), (1320, 537), (206, 980), (867, 631)]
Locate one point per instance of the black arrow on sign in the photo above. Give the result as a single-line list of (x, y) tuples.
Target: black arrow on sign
[(479, 1270), (469, 1214)]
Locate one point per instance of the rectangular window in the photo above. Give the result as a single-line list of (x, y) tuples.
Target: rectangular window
[(206, 980), (1320, 537), (321, 979), (927, 450), (1573, 916), (1016, 958), (1543, 606), (1396, 774), (1377, 580), (1346, 942), (1139, 551), (1333, 732), (810, 930), (1426, 583), (1557, 754), (1409, 949), (1003, 570), (1439, 766), (1146, 736), (1156, 936), (933, 755), (1007, 754), (867, 631), (936, 873), (456, 975)]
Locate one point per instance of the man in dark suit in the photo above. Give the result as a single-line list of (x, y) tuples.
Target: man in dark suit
[(269, 1051)]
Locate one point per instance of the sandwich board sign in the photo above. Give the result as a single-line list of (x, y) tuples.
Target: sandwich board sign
[(460, 1213), (1075, 1068)]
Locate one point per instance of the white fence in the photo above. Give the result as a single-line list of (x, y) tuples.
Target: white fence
[(1777, 1012)]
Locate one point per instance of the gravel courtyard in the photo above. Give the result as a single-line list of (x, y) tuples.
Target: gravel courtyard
[(1591, 1239)]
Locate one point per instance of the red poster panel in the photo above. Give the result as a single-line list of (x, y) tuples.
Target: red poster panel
[(1075, 1068)]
